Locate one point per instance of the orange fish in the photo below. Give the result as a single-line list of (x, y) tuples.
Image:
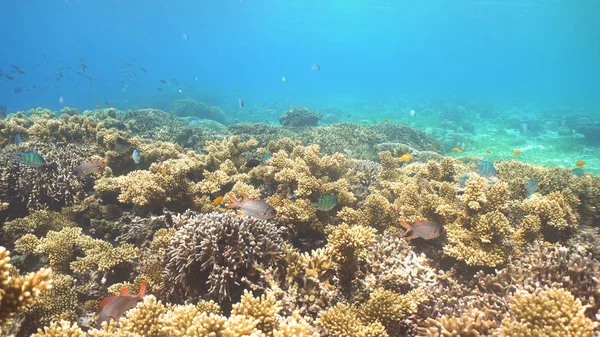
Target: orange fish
[(387, 121), (217, 200), (516, 153), (458, 161), (211, 111), (456, 150), (164, 170), (269, 110), (488, 151), (580, 163), (406, 157), (90, 126), (422, 229), (113, 307)]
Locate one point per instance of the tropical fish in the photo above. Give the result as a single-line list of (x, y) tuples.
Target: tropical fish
[(88, 168), (463, 181), (406, 157), (18, 139), (31, 159), (422, 229), (531, 186), (488, 151), (217, 200), (580, 163), (283, 79), (456, 149), (486, 168), (458, 161), (113, 307), (163, 81), (144, 70), (97, 106), (121, 145), (255, 208), (241, 103), (578, 172), (269, 110), (387, 121), (516, 153), (524, 127), (412, 113), (253, 162), (326, 203), (164, 170), (315, 67), (135, 156)]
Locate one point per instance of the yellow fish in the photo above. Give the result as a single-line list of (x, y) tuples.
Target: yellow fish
[(406, 157), (456, 150), (580, 163), (217, 200), (269, 110), (458, 161), (212, 111), (386, 120), (516, 153), (89, 126), (164, 170), (488, 151), (97, 106)]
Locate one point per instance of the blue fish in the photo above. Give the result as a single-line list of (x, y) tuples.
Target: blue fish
[(578, 172), (486, 168), (531, 187), (136, 156), (463, 181), (18, 139), (31, 159)]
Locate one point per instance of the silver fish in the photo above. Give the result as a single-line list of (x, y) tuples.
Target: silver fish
[(255, 208), (422, 229), (113, 307)]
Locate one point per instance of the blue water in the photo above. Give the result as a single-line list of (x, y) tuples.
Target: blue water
[(527, 51)]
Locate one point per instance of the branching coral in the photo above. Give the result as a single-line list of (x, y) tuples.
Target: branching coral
[(342, 320), (347, 247), (211, 253), (18, 292), (475, 323)]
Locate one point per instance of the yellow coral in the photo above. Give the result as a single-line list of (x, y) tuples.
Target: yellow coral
[(474, 323), (61, 329), (342, 320), (262, 309)]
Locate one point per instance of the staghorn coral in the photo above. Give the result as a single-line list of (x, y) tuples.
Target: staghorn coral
[(38, 223), (376, 212), (546, 312), (211, 253), (347, 248), (342, 320), (18, 292), (389, 308), (475, 323)]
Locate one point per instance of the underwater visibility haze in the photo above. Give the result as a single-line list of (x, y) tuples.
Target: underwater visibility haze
[(300, 168)]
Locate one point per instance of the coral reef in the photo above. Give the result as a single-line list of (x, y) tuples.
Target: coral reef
[(190, 107), (300, 117)]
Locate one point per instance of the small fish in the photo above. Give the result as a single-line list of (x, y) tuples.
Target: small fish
[(133, 74), (269, 110), (463, 181), (458, 161), (31, 159), (18, 139), (144, 71), (184, 36), (412, 113), (326, 203), (135, 156), (164, 170), (516, 153), (163, 81), (211, 110), (284, 80), (88, 168), (3, 113), (578, 172), (121, 145), (456, 149), (315, 67), (580, 163), (174, 81), (488, 151), (531, 186), (113, 307), (524, 127), (8, 77), (387, 121), (486, 168), (217, 200), (255, 208), (61, 100), (17, 90), (241, 103), (406, 157), (159, 89), (253, 162), (422, 229)]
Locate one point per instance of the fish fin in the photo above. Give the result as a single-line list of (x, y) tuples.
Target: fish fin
[(418, 219), (142, 291), (240, 212), (412, 237), (406, 226), (106, 300), (245, 197), (124, 291), (234, 203)]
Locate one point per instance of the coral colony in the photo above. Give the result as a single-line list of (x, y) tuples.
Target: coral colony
[(107, 242)]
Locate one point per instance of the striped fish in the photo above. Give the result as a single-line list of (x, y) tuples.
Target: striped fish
[(326, 203), (113, 307), (255, 208), (31, 159), (486, 168)]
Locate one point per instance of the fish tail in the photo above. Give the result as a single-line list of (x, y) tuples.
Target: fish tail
[(142, 291), (407, 227), (234, 203)]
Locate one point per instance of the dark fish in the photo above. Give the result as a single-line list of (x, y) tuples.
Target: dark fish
[(3, 111), (255, 208), (159, 89), (121, 145), (89, 78), (18, 139), (174, 81), (326, 203), (253, 162), (163, 81), (144, 70), (17, 90), (133, 74), (113, 307), (31, 159), (422, 229), (315, 67), (241, 103), (486, 168), (578, 172), (106, 103), (531, 186), (79, 73), (8, 77)]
